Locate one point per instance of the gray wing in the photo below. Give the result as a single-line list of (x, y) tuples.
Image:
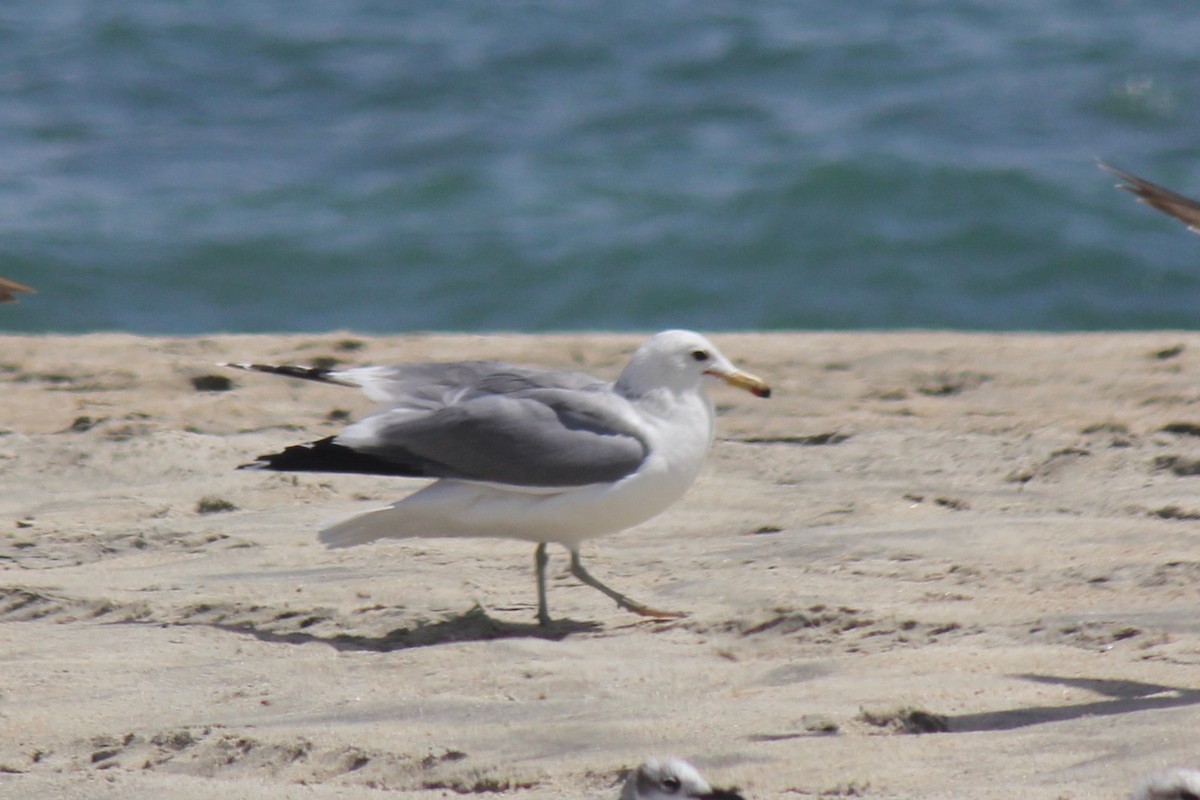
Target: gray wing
[(1181, 208), (428, 385), (505, 430)]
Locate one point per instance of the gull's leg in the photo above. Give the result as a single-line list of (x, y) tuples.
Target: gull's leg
[(624, 602), (539, 564)]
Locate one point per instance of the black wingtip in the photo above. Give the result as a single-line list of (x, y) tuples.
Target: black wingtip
[(317, 374), (326, 455), (722, 794)]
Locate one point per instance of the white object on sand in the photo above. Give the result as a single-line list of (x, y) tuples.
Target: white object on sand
[(671, 779), (1181, 783), (534, 454)]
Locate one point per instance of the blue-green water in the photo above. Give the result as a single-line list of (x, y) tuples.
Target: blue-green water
[(182, 167)]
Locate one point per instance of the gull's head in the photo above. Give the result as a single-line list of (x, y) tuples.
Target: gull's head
[(671, 779), (682, 360), (1171, 784)]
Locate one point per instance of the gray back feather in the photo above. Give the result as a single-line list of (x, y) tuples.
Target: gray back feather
[(490, 421)]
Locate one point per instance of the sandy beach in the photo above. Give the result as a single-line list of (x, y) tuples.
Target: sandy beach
[(933, 565)]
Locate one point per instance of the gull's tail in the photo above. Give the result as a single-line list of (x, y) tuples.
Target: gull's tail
[(441, 509), (362, 528)]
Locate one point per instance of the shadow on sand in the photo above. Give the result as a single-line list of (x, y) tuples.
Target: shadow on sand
[(1123, 697), (472, 626), (1126, 697)]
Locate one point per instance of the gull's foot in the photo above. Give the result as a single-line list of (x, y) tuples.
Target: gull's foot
[(545, 621), (646, 611), (621, 600)]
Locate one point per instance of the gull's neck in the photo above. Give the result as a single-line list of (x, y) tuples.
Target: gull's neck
[(642, 377)]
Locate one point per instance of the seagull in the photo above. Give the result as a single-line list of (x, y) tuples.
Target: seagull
[(1181, 783), (1181, 208), (524, 453), (669, 779), (10, 289)]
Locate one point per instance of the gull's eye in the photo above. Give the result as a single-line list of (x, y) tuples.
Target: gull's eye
[(671, 783), (700, 355)]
